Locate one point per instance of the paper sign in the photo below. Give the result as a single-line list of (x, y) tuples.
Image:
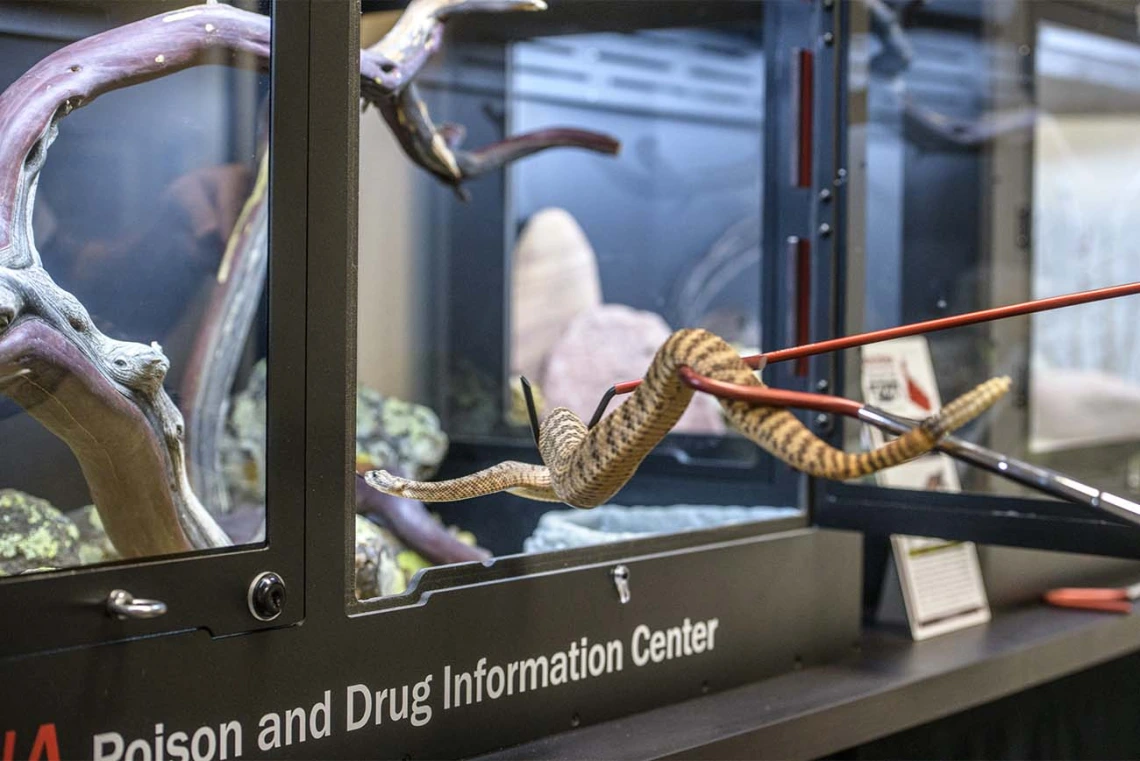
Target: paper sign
[(941, 582)]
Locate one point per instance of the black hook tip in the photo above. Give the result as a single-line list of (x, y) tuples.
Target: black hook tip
[(601, 409), (532, 412)]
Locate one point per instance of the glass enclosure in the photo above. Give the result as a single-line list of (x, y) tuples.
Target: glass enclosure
[(134, 331), (999, 162), (554, 195), (569, 268)]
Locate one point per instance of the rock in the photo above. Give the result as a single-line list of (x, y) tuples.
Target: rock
[(399, 436), (564, 529), (384, 565), (377, 574), (94, 545), (390, 434), (554, 278), (473, 399), (610, 343), (34, 535)]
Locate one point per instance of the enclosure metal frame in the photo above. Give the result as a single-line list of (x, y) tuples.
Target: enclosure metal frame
[(813, 212), (748, 576), (209, 589)]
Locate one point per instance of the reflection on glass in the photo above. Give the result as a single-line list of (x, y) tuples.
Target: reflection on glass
[(132, 331), (1085, 366), (990, 181), (569, 268)]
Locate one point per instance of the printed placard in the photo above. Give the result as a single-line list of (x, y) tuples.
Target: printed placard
[(941, 581)]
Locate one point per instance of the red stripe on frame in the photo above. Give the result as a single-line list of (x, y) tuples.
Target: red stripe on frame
[(803, 301), (806, 64)]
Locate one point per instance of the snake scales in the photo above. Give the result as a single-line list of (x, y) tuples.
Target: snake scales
[(585, 468)]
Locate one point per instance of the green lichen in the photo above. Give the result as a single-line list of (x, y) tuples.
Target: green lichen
[(34, 535), (396, 435), (94, 546), (390, 433)]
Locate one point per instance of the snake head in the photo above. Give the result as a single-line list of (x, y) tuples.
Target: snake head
[(384, 481)]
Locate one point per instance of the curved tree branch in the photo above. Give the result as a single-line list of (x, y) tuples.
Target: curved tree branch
[(73, 76), (51, 379), (214, 360), (392, 63)]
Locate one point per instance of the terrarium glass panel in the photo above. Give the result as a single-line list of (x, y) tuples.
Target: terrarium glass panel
[(1000, 159), (133, 262), (588, 180)]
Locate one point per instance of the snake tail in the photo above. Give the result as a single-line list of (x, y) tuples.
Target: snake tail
[(784, 436)]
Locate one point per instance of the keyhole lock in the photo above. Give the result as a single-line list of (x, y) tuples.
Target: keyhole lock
[(266, 596), (620, 575)]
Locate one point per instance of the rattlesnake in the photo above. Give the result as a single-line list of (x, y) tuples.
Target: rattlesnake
[(585, 468)]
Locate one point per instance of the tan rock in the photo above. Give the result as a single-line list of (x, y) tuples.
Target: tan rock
[(607, 344), (554, 278)]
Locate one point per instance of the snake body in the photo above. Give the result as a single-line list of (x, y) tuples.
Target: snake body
[(586, 467)]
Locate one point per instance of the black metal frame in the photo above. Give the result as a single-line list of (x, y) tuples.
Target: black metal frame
[(1020, 522), (208, 590)]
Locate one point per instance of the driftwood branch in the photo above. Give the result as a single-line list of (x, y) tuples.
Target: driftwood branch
[(389, 67), (435, 148), (392, 63), (50, 377), (214, 360), (73, 76)]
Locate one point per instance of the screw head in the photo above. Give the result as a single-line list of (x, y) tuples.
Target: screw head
[(828, 38), (824, 230), (266, 596), (822, 385), (825, 195)]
